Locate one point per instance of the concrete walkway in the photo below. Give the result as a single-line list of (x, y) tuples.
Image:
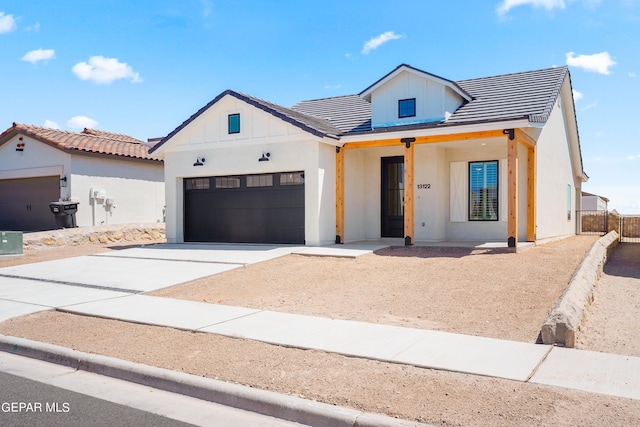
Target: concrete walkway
[(111, 286)]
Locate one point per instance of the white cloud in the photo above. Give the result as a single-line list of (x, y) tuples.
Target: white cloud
[(597, 63), (35, 27), (81, 122), (39, 55), (376, 42), (632, 74), (577, 96), (51, 124), (7, 23), (507, 5), (105, 70)]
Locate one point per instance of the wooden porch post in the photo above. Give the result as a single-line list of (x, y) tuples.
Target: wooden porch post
[(531, 194), (339, 195), (408, 191), (512, 189)]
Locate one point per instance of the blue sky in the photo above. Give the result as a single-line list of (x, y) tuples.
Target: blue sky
[(143, 67)]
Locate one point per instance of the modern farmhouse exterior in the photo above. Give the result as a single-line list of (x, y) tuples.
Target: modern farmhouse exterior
[(413, 156), (111, 176)]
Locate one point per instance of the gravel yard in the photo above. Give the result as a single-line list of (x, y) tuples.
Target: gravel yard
[(501, 295)]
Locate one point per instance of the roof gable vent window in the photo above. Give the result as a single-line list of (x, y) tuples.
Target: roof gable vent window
[(234, 123), (407, 108)]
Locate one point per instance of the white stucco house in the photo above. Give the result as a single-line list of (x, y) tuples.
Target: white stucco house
[(110, 175), (413, 156), (593, 202)]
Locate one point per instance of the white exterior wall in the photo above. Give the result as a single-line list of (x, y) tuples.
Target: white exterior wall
[(431, 193), (291, 149), (432, 188), (593, 203), (433, 99), (554, 174), (37, 160), (135, 187)]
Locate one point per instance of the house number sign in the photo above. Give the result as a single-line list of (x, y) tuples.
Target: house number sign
[(424, 186)]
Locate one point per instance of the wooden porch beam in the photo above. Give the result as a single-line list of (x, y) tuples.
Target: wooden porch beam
[(426, 139), (524, 138), (408, 194), (339, 195)]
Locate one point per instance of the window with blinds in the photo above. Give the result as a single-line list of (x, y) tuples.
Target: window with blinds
[(483, 191)]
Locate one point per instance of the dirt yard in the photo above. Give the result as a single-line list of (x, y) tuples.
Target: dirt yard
[(481, 293)]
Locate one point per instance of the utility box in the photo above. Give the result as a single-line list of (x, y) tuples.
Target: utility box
[(10, 242), (65, 213)]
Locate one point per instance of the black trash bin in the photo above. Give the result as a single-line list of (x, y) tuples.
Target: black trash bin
[(65, 213)]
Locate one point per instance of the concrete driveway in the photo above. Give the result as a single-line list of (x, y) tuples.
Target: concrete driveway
[(30, 288)]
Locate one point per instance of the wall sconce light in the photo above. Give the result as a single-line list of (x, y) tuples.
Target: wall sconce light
[(265, 157), (63, 181), (199, 161)]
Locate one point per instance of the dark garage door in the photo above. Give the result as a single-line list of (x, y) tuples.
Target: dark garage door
[(267, 208), (24, 203)]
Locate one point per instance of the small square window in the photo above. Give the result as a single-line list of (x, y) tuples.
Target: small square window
[(234, 123), (407, 108)]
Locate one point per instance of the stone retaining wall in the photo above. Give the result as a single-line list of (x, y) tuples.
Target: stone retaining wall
[(154, 233), (565, 318)]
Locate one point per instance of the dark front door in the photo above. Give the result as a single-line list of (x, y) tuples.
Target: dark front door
[(393, 196)]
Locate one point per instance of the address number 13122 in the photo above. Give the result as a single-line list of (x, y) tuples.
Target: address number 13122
[(423, 186)]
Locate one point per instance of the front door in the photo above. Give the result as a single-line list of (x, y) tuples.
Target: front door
[(393, 196)]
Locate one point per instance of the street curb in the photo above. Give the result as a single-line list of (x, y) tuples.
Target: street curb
[(565, 318), (264, 402)]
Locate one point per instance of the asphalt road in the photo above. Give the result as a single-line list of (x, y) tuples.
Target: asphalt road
[(24, 402), (38, 393)]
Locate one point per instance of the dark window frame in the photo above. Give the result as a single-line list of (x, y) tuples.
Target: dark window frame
[(233, 122), (486, 200), (403, 104)]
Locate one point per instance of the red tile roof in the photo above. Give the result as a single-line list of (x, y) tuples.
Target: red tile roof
[(89, 140)]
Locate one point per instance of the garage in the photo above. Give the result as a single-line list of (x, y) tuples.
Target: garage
[(24, 205), (263, 208)]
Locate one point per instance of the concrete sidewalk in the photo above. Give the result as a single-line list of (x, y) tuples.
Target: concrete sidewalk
[(111, 286)]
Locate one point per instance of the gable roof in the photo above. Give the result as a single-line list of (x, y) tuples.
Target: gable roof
[(89, 141), (312, 124), (348, 113), (527, 95), (366, 94)]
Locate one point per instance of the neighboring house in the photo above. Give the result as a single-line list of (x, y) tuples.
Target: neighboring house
[(413, 156), (593, 202), (111, 176)]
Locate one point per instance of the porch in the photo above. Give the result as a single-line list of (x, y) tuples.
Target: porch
[(431, 199)]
